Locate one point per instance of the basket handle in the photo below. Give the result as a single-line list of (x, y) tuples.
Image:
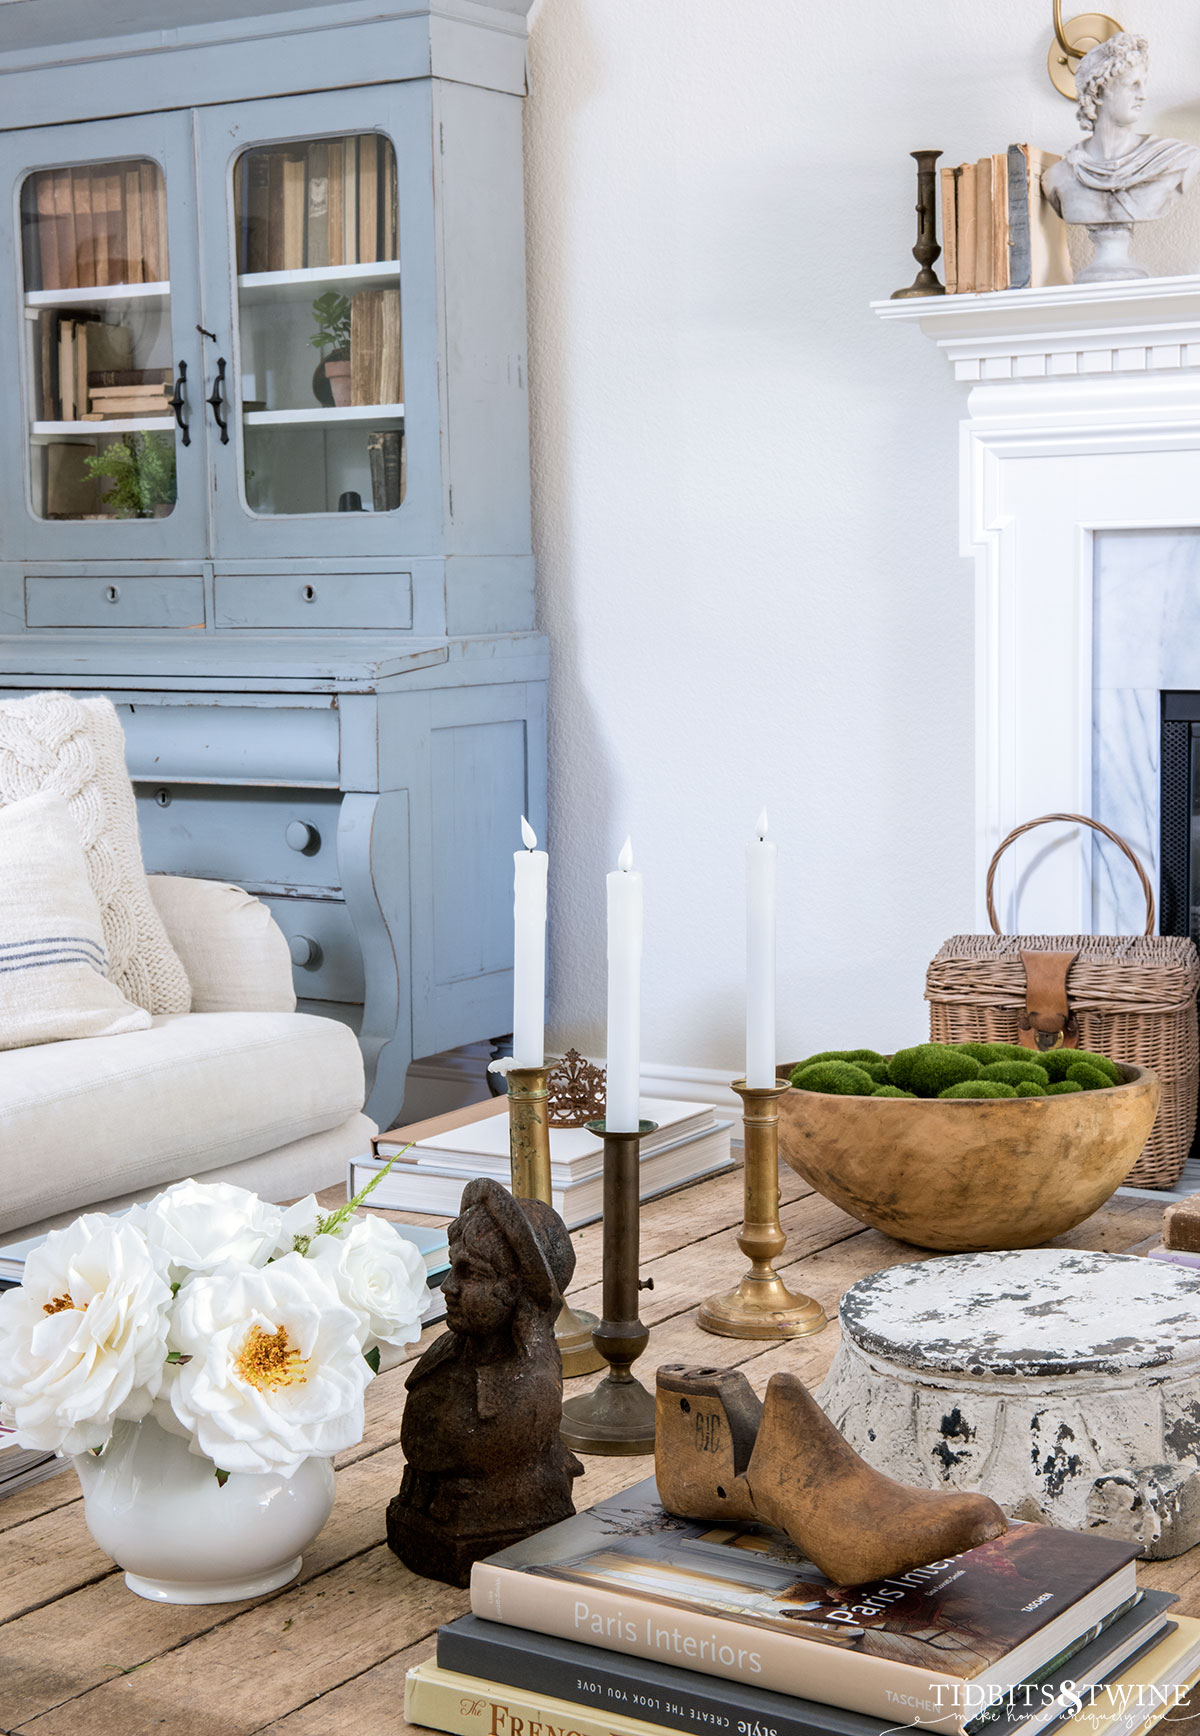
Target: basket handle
[(1074, 820)]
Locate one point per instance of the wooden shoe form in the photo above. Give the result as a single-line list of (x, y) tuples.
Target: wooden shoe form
[(719, 1455)]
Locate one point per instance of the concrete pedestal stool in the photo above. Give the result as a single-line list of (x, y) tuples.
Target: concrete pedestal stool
[(1065, 1385)]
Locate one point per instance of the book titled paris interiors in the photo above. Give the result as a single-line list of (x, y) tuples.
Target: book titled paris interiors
[(935, 1645)]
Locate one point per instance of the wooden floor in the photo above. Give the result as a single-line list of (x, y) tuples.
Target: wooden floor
[(81, 1656)]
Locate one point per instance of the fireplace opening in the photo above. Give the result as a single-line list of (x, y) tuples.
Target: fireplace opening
[(1179, 848)]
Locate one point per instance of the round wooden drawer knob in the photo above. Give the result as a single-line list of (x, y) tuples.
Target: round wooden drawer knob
[(305, 952), (303, 837)]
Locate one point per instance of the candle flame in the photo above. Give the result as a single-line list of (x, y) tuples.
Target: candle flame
[(625, 859), (528, 835), (762, 825)]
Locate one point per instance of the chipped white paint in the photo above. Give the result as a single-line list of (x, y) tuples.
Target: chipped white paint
[(1066, 1385)]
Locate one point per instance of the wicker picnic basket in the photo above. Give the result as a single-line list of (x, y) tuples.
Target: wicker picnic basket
[(1132, 998)]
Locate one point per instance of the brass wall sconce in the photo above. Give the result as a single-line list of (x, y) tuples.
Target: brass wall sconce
[(1072, 41)]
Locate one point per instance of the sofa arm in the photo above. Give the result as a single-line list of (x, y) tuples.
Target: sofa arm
[(236, 958)]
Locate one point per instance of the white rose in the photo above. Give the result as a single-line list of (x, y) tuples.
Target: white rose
[(276, 1371), (197, 1226), (83, 1339), (300, 1219), (380, 1275)]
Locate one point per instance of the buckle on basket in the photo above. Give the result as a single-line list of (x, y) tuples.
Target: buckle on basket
[(1065, 1037)]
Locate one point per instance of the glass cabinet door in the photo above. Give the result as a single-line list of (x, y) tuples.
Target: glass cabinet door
[(106, 275), (319, 310)]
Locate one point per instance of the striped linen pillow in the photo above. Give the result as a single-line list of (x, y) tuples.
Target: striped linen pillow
[(53, 964)]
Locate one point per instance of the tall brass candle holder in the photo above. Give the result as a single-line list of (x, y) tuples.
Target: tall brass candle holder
[(529, 1155), (618, 1417), (762, 1306)]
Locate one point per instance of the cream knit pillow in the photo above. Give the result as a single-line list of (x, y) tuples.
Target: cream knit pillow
[(52, 744), (52, 958)]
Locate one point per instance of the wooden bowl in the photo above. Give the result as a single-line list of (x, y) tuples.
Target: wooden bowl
[(970, 1174)]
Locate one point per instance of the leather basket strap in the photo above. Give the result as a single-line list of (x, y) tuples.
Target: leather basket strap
[(1074, 820), (1047, 1022)]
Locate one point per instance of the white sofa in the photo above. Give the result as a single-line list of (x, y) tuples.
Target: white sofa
[(243, 1088)]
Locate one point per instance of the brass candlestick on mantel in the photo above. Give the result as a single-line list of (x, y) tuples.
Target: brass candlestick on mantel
[(926, 282), (618, 1417), (529, 1156), (762, 1306)]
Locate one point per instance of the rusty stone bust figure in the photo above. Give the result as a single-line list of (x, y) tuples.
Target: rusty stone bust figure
[(484, 1463)]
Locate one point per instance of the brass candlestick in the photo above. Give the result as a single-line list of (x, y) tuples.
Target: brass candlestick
[(762, 1306), (618, 1417), (926, 282), (529, 1155)]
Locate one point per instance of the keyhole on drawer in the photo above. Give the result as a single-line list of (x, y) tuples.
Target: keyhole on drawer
[(309, 593), (112, 594), (163, 798), (305, 952)]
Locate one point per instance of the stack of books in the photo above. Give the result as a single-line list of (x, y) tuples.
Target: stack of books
[(327, 203), (626, 1621), (21, 1466), (127, 397), (449, 1150), (998, 231), (79, 354), (94, 224)]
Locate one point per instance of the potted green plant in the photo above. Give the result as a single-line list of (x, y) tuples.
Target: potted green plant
[(140, 472), (331, 378)]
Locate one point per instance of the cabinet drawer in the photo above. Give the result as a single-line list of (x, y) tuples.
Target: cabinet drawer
[(274, 743), (250, 836), (161, 600), (338, 600), (326, 961)]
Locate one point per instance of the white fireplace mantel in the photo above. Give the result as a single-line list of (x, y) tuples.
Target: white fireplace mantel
[(1083, 420)]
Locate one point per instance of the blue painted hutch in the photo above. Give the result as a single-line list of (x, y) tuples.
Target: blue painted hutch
[(307, 587)]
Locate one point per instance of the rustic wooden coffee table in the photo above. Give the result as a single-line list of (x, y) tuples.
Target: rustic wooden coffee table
[(81, 1656)]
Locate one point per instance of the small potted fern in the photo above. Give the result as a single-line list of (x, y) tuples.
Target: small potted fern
[(331, 378)]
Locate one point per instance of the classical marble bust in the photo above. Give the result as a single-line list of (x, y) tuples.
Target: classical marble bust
[(1116, 176)]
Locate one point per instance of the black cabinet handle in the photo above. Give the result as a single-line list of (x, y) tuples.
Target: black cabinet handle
[(215, 399), (179, 402)]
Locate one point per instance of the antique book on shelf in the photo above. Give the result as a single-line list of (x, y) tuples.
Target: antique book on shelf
[(65, 240), (1000, 225), (389, 247), (85, 242), (741, 1599), (983, 224), (679, 1699), (337, 206), (949, 184), (154, 239), (383, 456), (135, 251), (375, 364), (316, 254), (1048, 260), (368, 198), (966, 229), (350, 201), (121, 379), (47, 343), (295, 207), (49, 274)]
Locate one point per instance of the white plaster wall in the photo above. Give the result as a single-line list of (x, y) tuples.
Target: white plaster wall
[(745, 487)]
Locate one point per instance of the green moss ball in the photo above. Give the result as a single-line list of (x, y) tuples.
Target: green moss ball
[(1091, 1078), (1059, 1062), (1013, 1072), (840, 1078), (877, 1069), (1060, 1086), (929, 1068), (891, 1091), (1030, 1088), (857, 1056), (984, 1053), (979, 1088)]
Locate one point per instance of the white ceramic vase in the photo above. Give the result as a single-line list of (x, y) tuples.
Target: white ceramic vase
[(181, 1536)]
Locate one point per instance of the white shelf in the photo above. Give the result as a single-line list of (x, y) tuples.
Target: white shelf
[(321, 416), (148, 295), (303, 285), (43, 431)]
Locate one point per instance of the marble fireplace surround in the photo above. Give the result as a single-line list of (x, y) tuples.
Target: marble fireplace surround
[(1080, 505)]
